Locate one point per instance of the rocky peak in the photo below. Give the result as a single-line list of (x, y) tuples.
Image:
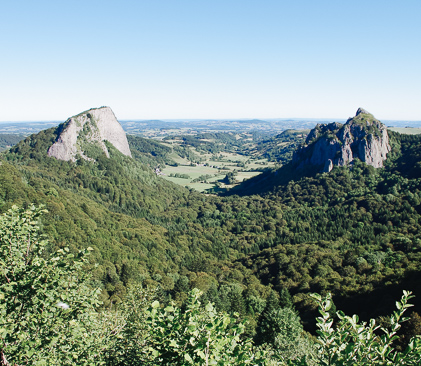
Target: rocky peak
[(86, 130), (363, 137), (361, 110), (322, 129)]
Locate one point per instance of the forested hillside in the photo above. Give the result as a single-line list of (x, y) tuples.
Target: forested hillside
[(51, 315), (8, 140), (280, 147), (352, 232)]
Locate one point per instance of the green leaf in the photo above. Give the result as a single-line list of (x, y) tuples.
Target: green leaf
[(188, 358), (316, 297), (173, 343)]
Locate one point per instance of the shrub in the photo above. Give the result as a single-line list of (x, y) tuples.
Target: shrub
[(352, 343), (46, 309)]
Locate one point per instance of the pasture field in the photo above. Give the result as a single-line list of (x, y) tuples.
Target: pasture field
[(406, 130), (210, 173), (246, 175), (194, 171)]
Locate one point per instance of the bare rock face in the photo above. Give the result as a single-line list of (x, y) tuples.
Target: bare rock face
[(362, 137), (86, 130)]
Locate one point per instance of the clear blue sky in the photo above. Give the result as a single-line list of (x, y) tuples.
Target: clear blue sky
[(210, 58)]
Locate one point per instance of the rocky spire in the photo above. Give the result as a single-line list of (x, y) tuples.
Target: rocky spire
[(92, 127), (361, 111), (362, 136)]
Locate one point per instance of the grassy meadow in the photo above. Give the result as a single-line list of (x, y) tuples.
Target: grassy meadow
[(210, 172), (406, 130)]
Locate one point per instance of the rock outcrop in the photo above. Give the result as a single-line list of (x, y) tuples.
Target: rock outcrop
[(363, 137), (86, 130)]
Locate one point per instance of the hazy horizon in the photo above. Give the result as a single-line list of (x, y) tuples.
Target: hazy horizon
[(215, 119)]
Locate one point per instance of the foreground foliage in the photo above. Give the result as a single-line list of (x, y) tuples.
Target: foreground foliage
[(197, 335), (46, 309), (350, 342), (50, 316)]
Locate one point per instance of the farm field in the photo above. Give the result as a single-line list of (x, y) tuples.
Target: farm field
[(210, 173), (406, 130)]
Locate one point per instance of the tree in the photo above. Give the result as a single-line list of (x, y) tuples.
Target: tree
[(285, 299), (130, 345), (46, 309), (289, 342), (280, 329), (265, 330)]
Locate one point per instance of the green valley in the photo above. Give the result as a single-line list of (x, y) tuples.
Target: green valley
[(256, 251)]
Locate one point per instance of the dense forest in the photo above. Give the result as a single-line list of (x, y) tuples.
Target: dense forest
[(267, 245), (7, 140)]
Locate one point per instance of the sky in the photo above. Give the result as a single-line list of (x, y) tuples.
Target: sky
[(219, 59)]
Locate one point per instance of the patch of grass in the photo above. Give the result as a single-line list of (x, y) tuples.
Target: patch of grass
[(246, 175), (215, 167), (406, 130)]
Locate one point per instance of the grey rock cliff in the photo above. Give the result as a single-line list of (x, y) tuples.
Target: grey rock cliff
[(363, 137), (92, 127)]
